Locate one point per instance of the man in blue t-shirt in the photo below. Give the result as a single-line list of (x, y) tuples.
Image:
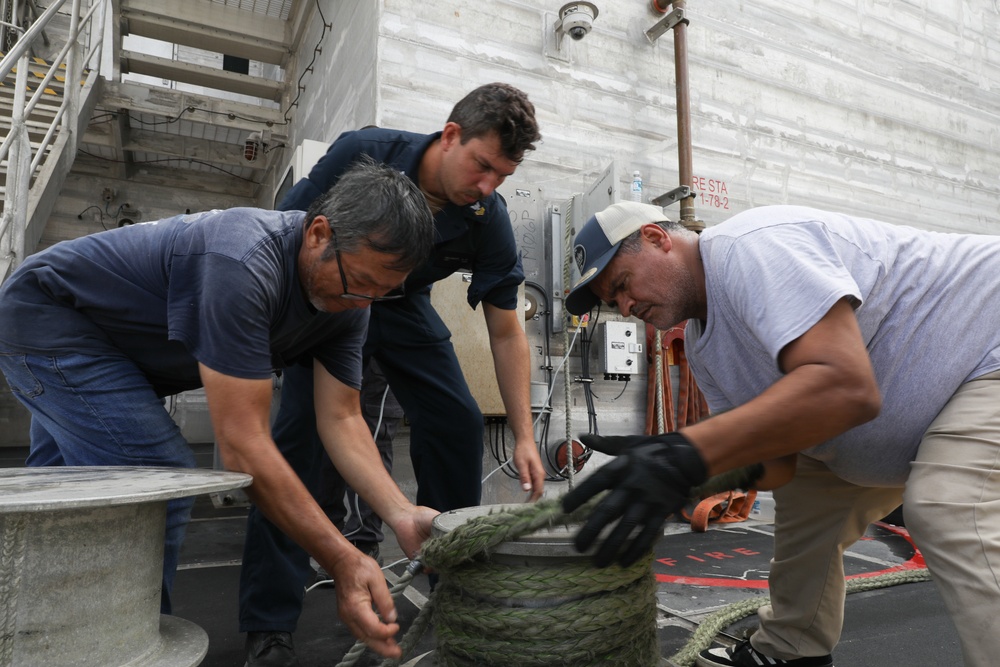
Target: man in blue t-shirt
[(95, 331), (851, 365), (458, 170)]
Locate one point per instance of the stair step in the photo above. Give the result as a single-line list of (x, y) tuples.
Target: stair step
[(53, 89), (46, 104), (37, 70)]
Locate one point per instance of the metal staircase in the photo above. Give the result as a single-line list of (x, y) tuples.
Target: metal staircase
[(42, 104), (176, 118)]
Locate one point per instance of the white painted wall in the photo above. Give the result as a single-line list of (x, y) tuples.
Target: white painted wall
[(889, 109), (341, 92)]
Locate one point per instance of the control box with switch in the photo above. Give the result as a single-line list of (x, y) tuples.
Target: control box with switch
[(621, 350)]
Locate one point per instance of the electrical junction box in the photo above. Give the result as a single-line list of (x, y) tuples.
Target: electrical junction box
[(621, 349)]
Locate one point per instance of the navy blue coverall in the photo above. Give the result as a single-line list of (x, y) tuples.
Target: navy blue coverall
[(413, 348)]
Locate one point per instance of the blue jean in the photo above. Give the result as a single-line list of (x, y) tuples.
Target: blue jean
[(91, 410)]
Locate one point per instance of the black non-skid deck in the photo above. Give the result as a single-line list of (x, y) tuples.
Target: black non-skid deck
[(699, 574)]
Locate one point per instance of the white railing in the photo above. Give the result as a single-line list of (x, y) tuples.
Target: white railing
[(81, 53)]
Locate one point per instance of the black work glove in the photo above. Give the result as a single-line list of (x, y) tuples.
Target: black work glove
[(651, 479)]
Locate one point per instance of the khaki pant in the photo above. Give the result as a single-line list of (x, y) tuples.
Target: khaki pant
[(952, 510)]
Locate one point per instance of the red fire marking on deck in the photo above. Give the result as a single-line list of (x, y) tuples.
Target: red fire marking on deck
[(915, 562)]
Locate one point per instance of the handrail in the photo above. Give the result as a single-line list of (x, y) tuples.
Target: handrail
[(23, 160), (50, 74), (25, 41)]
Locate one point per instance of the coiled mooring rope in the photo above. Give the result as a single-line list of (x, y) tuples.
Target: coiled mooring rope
[(488, 613), (501, 612)]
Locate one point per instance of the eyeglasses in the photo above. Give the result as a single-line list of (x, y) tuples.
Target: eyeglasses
[(348, 294)]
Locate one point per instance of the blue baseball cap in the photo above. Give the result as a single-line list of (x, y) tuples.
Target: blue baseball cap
[(597, 243)]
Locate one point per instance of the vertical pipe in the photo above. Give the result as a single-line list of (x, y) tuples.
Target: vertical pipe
[(95, 37), (684, 149), (5, 17), (74, 72), (567, 344), (18, 169)]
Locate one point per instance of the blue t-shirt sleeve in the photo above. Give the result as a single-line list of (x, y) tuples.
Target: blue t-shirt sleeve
[(341, 354), (325, 174), (498, 270), (221, 312)]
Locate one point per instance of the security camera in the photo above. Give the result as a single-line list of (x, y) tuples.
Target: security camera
[(576, 19)]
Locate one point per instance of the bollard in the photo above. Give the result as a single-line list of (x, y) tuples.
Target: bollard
[(531, 598), (81, 562)]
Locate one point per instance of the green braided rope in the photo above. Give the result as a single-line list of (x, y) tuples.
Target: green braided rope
[(707, 630), (481, 535), (572, 614), (618, 627), (589, 614), (413, 635), (566, 614), (486, 534), (499, 581), (469, 632)]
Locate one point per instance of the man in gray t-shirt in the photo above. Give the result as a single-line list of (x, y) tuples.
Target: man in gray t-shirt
[(852, 365)]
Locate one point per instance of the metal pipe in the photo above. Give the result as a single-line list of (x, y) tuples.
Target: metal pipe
[(18, 174), (684, 149), (74, 69)]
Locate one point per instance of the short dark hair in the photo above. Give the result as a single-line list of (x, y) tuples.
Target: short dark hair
[(375, 205), (632, 243), (500, 108)]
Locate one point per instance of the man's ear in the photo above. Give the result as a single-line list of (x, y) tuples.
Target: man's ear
[(657, 236), (317, 232), (451, 135)]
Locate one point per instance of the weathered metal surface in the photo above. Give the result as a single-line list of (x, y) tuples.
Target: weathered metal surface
[(81, 558)]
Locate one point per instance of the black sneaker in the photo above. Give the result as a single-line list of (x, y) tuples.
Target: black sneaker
[(745, 655), (270, 649)]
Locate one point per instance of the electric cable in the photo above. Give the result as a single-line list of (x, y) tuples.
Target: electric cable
[(355, 506), (497, 436), (545, 411), (620, 394), (498, 449), (309, 68), (556, 372), (113, 216), (497, 469), (169, 159), (332, 582), (567, 279), (585, 377), (79, 215)]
